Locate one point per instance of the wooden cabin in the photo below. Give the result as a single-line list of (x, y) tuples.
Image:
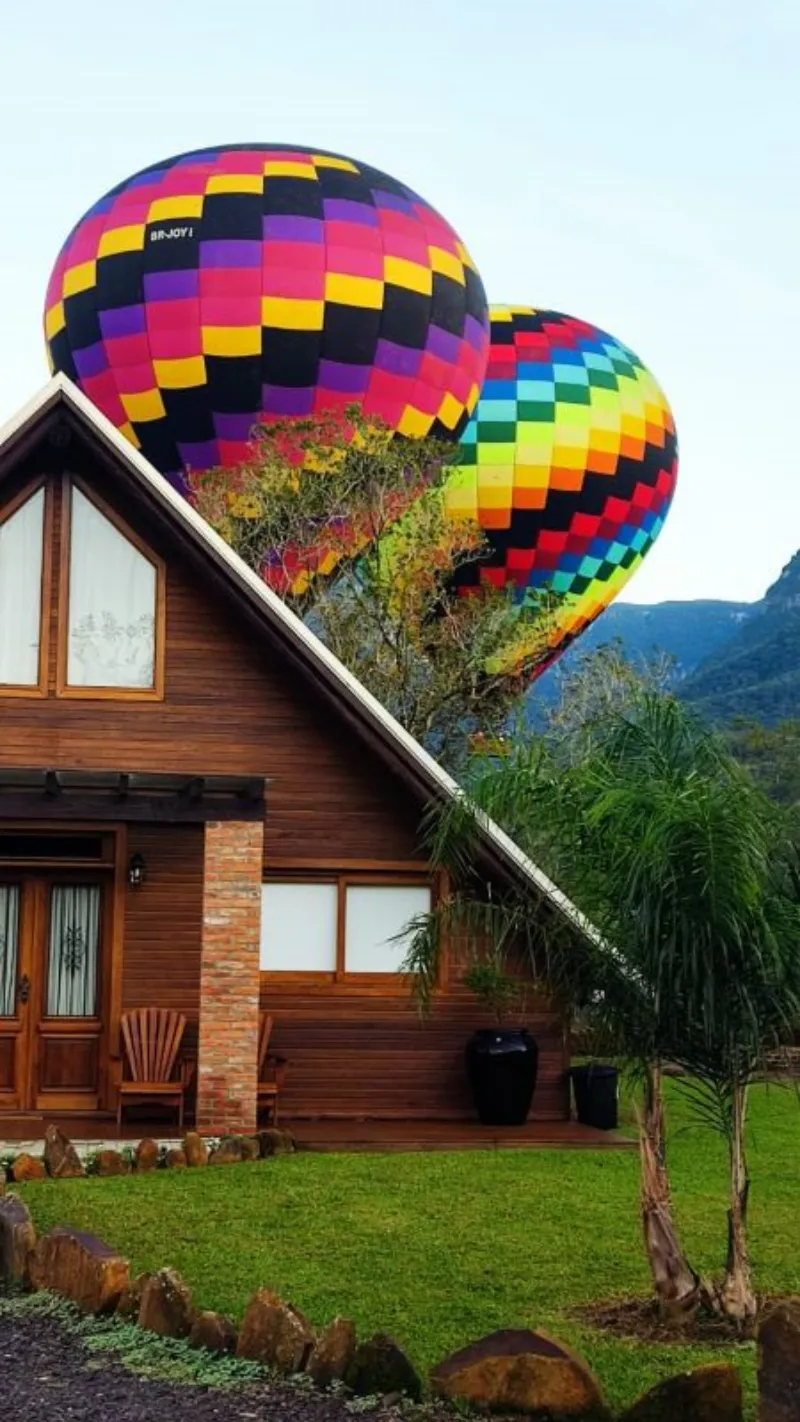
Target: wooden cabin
[(202, 810)]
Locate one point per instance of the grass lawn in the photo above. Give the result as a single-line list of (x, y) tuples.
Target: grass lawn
[(438, 1249)]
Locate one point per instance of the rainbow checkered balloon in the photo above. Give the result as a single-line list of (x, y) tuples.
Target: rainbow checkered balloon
[(240, 284), (569, 464)]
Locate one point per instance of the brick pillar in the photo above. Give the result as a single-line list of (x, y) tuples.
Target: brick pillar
[(229, 977)]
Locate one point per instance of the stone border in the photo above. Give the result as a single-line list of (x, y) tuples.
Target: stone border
[(58, 1159)]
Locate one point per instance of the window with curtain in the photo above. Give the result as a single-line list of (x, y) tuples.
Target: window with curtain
[(374, 916), (9, 945), (21, 552), (298, 928), (338, 927), (74, 947), (112, 604)]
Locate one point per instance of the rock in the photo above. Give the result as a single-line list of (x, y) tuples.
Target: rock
[(147, 1154), (275, 1333), (275, 1142), (17, 1240), (712, 1393), (515, 1370), (779, 1364), (61, 1159), (80, 1267), (111, 1162), (333, 1352), (213, 1331), (176, 1159), (166, 1306), (381, 1366), (229, 1152), (195, 1149), (27, 1167), (131, 1301)]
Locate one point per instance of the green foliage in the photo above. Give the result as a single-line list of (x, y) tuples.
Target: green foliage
[(349, 525), (143, 1353), (489, 982), (772, 755), (440, 1248), (756, 674)]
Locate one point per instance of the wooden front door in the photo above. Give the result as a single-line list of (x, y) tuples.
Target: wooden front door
[(54, 932)]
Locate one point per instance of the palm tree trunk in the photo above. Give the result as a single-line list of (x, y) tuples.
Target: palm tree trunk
[(735, 1296), (677, 1285)]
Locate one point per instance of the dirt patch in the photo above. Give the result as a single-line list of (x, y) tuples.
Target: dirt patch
[(638, 1319)]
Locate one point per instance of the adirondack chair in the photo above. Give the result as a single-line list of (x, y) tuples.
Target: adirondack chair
[(152, 1037), (270, 1071)]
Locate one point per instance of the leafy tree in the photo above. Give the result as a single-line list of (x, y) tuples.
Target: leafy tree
[(348, 523), (772, 755), (684, 867)]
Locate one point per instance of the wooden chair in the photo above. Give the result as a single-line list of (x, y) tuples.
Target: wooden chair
[(152, 1037), (270, 1071)]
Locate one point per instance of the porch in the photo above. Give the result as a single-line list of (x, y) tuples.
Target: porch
[(379, 1136)]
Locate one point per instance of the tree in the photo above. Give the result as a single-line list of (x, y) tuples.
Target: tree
[(349, 524), (684, 868), (772, 755)]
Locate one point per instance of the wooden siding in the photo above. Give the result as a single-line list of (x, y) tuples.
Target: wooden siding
[(231, 705), (163, 921), (351, 1054)]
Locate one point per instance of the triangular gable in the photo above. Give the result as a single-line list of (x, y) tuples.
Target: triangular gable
[(359, 707)]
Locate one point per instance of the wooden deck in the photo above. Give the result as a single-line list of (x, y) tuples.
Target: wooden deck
[(343, 1135), (384, 1136)]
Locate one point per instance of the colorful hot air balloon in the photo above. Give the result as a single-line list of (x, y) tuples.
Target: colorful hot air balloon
[(238, 284), (569, 464)]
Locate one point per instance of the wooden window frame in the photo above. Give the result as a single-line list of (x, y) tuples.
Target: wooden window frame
[(106, 693), (37, 689), (390, 876)]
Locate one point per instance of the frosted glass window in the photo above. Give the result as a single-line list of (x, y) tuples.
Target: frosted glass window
[(112, 604), (298, 928), (373, 917), (21, 542)]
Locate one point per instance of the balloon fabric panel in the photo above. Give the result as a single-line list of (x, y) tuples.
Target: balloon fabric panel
[(240, 284), (569, 464)]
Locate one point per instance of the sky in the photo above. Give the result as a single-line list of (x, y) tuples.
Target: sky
[(632, 162)]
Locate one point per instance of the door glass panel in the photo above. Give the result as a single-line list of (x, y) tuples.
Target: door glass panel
[(9, 941), (74, 944)]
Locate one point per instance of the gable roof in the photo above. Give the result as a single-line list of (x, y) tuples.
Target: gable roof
[(391, 740)]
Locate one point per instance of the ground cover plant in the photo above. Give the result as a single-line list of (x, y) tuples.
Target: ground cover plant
[(440, 1248)]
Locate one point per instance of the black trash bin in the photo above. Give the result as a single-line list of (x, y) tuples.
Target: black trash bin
[(596, 1091)]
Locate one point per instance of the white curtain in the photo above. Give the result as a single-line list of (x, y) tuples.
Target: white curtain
[(374, 917), (9, 939), (74, 943), (112, 604), (21, 593)]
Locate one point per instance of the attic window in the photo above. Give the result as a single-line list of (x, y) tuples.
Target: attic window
[(114, 595), (21, 564)]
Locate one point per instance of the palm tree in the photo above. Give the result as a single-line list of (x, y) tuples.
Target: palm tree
[(662, 839)]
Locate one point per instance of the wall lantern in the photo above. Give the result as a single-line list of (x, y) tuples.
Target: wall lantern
[(137, 871)]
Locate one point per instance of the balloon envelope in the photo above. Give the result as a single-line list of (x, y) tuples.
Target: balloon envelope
[(569, 464), (245, 283)]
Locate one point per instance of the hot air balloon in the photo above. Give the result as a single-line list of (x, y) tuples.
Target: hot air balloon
[(245, 283), (569, 465)]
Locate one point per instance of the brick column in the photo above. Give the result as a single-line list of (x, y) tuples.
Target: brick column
[(229, 977)]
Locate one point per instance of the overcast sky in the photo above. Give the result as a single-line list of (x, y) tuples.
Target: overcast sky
[(633, 162)]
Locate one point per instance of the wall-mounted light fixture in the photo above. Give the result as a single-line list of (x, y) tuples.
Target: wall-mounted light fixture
[(137, 871)]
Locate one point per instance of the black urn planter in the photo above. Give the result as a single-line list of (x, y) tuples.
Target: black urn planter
[(501, 1065)]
